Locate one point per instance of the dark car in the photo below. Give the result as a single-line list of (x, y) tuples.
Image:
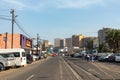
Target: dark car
[(29, 58)]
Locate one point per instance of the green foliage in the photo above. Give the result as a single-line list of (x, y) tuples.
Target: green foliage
[(113, 39), (89, 45), (104, 48)]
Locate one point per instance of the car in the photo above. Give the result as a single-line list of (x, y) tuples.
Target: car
[(29, 58), (7, 60), (83, 53), (104, 57), (77, 55), (54, 54), (117, 57), (41, 55), (111, 58), (35, 57)]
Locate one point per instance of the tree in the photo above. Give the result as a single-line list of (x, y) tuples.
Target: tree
[(113, 39), (89, 44), (103, 48)]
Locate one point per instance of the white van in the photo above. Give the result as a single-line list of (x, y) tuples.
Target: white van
[(7, 60), (20, 56)]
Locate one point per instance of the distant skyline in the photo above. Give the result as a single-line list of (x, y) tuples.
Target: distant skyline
[(60, 18)]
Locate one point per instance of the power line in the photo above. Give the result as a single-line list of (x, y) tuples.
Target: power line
[(3, 18), (22, 29), (4, 9)]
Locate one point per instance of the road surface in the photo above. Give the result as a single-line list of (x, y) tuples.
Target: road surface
[(64, 68)]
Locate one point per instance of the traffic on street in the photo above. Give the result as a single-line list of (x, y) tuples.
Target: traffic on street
[(59, 39), (64, 68)]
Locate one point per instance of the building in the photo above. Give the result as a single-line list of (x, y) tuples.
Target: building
[(76, 40), (102, 35), (57, 42), (87, 41), (19, 41), (68, 42), (62, 43), (45, 45)]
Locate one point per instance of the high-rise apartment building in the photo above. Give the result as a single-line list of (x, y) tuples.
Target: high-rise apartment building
[(76, 40), (102, 35), (57, 42), (68, 42), (86, 40)]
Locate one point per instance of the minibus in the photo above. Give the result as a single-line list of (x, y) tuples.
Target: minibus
[(20, 56), (7, 60)]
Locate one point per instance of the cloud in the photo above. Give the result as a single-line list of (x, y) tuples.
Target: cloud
[(45, 4), (77, 3), (13, 4), (64, 4)]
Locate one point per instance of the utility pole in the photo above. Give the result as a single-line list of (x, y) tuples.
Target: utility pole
[(37, 42), (6, 40), (13, 19)]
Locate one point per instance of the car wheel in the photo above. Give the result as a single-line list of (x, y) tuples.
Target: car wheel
[(1, 67)]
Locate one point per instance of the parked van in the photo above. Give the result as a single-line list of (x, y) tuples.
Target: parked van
[(20, 56), (7, 60)]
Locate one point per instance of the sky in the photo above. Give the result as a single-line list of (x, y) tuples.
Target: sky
[(59, 18)]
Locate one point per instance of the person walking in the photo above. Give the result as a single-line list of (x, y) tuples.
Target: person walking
[(92, 58), (87, 57)]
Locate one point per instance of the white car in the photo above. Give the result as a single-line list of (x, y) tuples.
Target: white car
[(117, 57), (35, 57)]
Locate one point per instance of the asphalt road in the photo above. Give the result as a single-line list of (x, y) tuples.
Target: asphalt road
[(64, 68), (54, 68), (96, 70)]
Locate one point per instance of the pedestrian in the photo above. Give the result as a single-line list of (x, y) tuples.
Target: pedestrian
[(92, 58), (87, 57)]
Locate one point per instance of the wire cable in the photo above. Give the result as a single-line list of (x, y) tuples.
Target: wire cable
[(3, 18), (22, 29)]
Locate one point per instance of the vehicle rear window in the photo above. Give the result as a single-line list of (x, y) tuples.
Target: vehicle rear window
[(23, 54), (17, 54)]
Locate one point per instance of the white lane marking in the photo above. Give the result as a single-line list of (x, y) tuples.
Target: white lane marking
[(30, 77)]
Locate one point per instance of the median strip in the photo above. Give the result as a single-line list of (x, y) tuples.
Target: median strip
[(73, 71)]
